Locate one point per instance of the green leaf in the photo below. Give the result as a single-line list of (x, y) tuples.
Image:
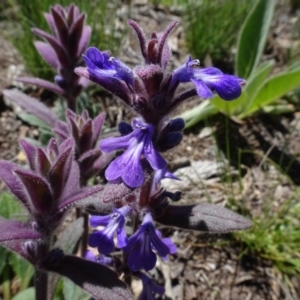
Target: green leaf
[(34, 121), (22, 269), (4, 255), (27, 294), (199, 113), (74, 292), (9, 207), (255, 81), (273, 89), (252, 37)]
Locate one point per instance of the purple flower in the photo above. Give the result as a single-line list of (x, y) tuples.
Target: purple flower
[(138, 144), (150, 288), (207, 80), (141, 244), (114, 223), (101, 65)]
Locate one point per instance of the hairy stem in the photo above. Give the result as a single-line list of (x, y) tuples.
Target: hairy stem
[(41, 285)]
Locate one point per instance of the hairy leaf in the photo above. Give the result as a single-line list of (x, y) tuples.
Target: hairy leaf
[(37, 189), (32, 105), (203, 217), (101, 282)]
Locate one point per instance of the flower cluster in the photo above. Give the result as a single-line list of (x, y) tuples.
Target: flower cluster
[(152, 92)]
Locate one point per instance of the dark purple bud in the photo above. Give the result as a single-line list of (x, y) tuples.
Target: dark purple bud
[(124, 128), (169, 141), (60, 81), (176, 125)]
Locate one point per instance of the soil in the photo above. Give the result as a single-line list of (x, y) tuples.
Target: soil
[(205, 266)]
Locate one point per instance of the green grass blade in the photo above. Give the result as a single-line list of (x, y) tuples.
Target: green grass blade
[(252, 38), (273, 89), (199, 113)]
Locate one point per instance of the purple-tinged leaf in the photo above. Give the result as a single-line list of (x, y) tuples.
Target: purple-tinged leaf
[(74, 130), (97, 126), (85, 115), (62, 131), (76, 12), (86, 136), (70, 114), (163, 47), (98, 280), (43, 164), (114, 192), (141, 37), (52, 146), (75, 34), (66, 144), (14, 235), (59, 9), (59, 50), (37, 189), (60, 26), (86, 161), (70, 16), (50, 21), (203, 217), (72, 185), (15, 230), (47, 53), (42, 83), (60, 171), (86, 196), (30, 152), (13, 183), (103, 160), (32, 106), (84, 39)]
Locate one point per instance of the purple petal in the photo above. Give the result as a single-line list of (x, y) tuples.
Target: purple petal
[(161, 248), (96, 221), (116, 143), (142, 258), (202, 89), (154, 158), (128, 166), (227, 86), (121, 237)]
